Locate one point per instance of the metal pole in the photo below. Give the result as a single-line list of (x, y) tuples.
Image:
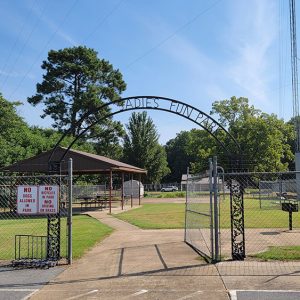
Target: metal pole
[(259, 194), (140, 189), (186, 202), (211, 208), (131, 196), (110, 189), (122, 190), (216, 209), (290, 218), (70, 173), (223, 178)]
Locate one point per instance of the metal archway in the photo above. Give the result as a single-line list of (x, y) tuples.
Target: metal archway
[(196, 116), (173, 106)]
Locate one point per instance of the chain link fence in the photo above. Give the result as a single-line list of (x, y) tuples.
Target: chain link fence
[(24, 235), (202, 211), (198, 229), (271, 215)]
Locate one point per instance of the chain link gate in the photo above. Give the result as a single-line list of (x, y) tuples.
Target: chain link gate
[(33, 239), (260, 216), (243, 215), (202, 213)]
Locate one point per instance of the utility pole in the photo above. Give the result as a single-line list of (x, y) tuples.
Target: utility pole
[(294, 68)]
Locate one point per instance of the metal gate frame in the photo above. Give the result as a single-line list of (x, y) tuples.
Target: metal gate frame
[(32, 248), (53, 230), (213, 215)]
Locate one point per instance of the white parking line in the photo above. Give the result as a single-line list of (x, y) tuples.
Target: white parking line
[(140, 292), (233, 295), (190, 295), (28, 296), (32, 291), (18, 290), (266, 294), (82, 295)]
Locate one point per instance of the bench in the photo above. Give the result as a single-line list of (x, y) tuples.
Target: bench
[(92, 203)]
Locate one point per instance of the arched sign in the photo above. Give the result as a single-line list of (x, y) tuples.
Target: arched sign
[(173, 106)]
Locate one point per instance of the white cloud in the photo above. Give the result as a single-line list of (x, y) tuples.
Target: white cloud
[(206, 76), (55, 27), (202, 73), (251, 35), (242, 62), (16, 74)]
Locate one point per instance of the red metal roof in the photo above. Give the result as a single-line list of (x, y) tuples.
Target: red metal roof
[(83, 163)]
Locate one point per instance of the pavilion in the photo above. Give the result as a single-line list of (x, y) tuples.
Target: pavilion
[(83, 163)]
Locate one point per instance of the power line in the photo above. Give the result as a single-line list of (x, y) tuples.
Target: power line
[(102, 21), (17, 38), (93, 31), (23, 46), (45, 46), (181, 28), (280, 55)]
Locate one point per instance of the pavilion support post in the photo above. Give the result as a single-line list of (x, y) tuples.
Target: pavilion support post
[(122, 190), (110, 189), (131, 194), (140, 189)]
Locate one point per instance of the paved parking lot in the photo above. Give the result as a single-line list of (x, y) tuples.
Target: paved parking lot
[(21, 283), (149, 264)]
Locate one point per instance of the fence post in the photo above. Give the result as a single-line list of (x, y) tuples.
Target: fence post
[(211, 208), (186, 201), (216, 209), (70, 194)]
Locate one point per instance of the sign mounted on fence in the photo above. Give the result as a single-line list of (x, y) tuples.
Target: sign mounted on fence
[(34, 199), (27, 199), (48, 199)]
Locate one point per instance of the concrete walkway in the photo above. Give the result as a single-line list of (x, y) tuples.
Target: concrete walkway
[(155, 264), (137, 264)]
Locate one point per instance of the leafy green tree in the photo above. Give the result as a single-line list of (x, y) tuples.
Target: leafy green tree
[(266, 142), (204, 146), (108, 140), (292, 140), (77, 82), (179, 156), (263, 138), (17, 140), (233, 110), (141, 147)]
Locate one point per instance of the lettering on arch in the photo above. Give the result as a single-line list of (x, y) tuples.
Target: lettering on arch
[(172, 106), (150, 103)]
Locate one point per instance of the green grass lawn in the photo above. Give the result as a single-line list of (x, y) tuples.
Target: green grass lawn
[(171, 215), (178, 194), (280, 253), (87, 232), (155, 216)]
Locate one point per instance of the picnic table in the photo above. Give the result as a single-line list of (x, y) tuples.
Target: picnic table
[(93, 201), (286, 196), (99, 201)]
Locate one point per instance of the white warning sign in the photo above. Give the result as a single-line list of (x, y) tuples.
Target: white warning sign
[(27, 199), (48, 199)]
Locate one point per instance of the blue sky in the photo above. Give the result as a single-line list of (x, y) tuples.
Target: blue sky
[(197, 51)]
